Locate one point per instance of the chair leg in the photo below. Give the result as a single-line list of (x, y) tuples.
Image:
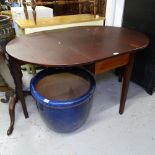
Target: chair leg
[(80, 7), (95, 8)]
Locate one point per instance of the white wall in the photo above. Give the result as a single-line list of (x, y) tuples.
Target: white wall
[(114, 13)]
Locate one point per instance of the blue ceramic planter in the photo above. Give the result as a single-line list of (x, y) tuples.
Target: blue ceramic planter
[(67, 115)]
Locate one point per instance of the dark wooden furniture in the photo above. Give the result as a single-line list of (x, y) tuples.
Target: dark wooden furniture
[(139, 15), (97, 48), (57, 2)]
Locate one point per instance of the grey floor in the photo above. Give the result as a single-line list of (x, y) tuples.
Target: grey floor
[(105, 132)]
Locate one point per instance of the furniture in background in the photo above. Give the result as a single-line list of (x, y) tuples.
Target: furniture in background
[(18, 14), (34, 3), (97, 48), (57, 22), (6, 34), (86, 8), (139, 15)]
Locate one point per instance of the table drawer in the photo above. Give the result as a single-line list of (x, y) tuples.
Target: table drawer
[(111, 63)]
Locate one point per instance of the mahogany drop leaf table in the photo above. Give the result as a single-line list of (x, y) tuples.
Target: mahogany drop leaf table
[(96, 47)]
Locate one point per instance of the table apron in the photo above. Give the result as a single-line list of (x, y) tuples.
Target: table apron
[(111, 63)]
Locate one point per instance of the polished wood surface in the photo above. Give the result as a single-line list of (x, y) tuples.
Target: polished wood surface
[(75, 46)]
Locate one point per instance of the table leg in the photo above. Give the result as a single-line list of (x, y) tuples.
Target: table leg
[(16, 72), (12, 104), (125, 84), (25, 9), (80, 7), (33, 6)]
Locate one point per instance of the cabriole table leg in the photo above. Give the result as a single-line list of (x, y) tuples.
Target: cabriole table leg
[(16, 72), (12, 104)]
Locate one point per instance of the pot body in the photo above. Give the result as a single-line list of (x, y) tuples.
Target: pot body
[(67, 115)]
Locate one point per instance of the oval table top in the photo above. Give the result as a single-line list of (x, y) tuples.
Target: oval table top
[(75, 46)]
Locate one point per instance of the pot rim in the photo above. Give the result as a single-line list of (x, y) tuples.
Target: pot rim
[(6, 18), (61, 103)]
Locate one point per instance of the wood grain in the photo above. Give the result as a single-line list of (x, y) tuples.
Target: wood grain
[(112, 63), (75, 46)]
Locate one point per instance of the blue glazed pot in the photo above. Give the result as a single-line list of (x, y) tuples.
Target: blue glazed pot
[(67, 115)]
